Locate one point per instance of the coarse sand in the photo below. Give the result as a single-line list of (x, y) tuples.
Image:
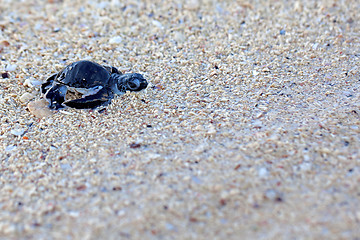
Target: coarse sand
[(249, 128)]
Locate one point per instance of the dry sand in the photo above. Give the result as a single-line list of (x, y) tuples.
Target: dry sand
[(249, 128)]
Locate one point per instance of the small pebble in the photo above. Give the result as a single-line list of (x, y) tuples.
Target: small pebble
[(4, 43), (17, 131), (257, 124), (65, 166), (27, 83), (263, 172), (179, 37), (192, 4), (196, 180), (170, 227), (157, 24), (10, 148), (11, 67), (115, 40), (35, 82), (102, 5), (135, 145), (315, 46), (350, 20), (32, 83), (211, 130), (273, 195), (26, 97), (39, 108), (5, 75), (305, 166)]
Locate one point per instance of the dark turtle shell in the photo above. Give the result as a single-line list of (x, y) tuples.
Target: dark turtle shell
[(84, 74)]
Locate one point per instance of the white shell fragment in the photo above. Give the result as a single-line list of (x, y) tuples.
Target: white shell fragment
[(115, 40), (31, 82), (17, 131), (11, 67), (39, 108)]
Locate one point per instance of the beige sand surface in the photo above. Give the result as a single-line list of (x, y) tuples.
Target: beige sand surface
[(249, 128)]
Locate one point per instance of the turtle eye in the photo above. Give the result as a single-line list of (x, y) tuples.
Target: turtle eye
[(134, 84)]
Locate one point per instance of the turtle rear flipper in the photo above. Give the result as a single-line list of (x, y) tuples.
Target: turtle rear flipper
[(47, 84), (56, 96), (112, 69), (101, 98)]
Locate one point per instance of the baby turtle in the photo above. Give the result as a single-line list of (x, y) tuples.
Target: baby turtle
[(98, 84)]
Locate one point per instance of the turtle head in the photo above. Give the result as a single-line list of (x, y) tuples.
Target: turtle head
[(133, 82)]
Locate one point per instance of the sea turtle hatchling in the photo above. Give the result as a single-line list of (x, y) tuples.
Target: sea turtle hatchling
[(96, 83)]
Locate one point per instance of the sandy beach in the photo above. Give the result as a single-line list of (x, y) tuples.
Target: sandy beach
[(249, 128)]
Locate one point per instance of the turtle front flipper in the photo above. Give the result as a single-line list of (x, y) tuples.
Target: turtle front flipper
[(47, 84), (56, 96), (101, 98)]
